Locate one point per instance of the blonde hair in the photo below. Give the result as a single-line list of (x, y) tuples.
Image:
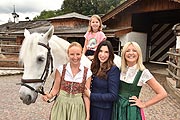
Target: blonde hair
[(100, 21), (74, 44), (140, 65)]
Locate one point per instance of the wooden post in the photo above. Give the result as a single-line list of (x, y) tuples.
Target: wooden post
[(178, 71), (1, 55), (172, 60)]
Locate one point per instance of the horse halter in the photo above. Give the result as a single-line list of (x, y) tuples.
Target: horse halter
[(49, 63)]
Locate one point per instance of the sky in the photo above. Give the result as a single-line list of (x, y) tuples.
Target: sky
[(26, 8)]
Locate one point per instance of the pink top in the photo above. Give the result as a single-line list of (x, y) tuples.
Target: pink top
[(94, 39)]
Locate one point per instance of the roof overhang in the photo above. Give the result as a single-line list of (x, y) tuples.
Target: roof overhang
[(118, 9), (77, 32), (117, 32)]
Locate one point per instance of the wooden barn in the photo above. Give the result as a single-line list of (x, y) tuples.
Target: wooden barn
[(71, 20), (71, 27), (148, 22)]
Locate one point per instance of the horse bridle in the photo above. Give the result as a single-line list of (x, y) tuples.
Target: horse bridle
[(49, 63)]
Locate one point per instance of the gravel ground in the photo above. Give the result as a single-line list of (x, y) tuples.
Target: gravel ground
[(12, 108), (167, 109)]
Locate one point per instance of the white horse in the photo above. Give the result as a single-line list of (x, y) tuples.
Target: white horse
[(40, 54)]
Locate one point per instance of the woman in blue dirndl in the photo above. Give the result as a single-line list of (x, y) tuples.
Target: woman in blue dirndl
[(104, 84)]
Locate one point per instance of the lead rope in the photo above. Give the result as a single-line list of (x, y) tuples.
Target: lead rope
[(62, 78), (49, 62)]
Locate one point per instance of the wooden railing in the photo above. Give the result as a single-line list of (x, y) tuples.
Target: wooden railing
[(174, 65)]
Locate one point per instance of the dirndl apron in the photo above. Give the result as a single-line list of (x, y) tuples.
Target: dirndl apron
[(122, 109)]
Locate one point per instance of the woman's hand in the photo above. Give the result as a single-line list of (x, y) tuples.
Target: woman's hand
[(47, 96), (87, 118), (87, 92), (136, 102)]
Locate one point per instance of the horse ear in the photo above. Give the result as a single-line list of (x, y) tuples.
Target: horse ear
[(26, 33), (49, 33)]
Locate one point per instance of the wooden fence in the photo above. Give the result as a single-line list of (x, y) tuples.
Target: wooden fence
[(9, 52), (174, 65)]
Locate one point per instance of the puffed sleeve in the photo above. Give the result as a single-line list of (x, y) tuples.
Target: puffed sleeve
[(113, 87), (146, 75), (86, 34), (60, 68), (103, 36), (89, 73)]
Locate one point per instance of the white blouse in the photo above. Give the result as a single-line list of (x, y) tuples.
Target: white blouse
[(69, 76), (129, 76)]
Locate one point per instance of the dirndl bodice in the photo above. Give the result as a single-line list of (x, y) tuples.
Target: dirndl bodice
[(73, 87), (122, 109)]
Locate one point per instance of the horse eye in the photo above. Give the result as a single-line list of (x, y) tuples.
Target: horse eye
[(40, 59)]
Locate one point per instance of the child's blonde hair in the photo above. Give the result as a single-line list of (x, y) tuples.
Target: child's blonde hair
[(100, 21)]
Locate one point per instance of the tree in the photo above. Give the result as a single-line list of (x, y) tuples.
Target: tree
[(89, 7), (85, 7), (45, 14)]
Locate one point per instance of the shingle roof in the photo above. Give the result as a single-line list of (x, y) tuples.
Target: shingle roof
[(12, 27), (71, 15)]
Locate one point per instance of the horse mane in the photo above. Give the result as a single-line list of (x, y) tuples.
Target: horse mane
[(28, 46)]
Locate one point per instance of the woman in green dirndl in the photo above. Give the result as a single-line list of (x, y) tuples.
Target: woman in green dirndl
[(133, 76)]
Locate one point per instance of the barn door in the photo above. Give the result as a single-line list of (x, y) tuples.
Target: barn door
[(162, 38)]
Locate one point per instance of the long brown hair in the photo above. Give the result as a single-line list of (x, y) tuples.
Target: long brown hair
[(101, 70)]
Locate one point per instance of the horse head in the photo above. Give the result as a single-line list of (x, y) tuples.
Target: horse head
[(36, 57)]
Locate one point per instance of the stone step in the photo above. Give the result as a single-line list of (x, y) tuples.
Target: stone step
[(11, 68)]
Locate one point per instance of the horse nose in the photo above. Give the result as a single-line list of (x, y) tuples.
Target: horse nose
[(27, 99)]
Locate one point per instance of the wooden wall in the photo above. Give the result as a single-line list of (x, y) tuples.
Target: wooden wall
[(124, 18), (72, 23)]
